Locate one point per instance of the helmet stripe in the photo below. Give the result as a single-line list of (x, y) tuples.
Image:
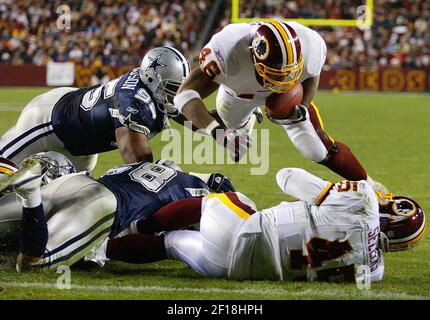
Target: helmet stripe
[(409, 243), (286, 41), (279, 38), (184, 61), (6, 170), (412, 238), (292, 37)]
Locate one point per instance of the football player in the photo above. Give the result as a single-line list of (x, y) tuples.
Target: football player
[(123, 113), (54, 165), (247, 62), (335, 232), (65, 219)]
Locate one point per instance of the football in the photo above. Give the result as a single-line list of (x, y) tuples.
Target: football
[(279, 106)]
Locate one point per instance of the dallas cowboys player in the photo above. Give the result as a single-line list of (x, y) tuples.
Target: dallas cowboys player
[(123, 113), (78, 213)]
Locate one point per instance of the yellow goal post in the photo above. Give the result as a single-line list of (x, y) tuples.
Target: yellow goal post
[(365, 20)]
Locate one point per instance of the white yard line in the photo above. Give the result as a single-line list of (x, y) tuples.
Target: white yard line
[(268, 292)]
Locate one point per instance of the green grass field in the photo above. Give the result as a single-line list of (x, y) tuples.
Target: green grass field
[(389, 133)]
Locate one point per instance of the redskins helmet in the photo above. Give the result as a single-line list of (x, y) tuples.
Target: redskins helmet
[(7, 166), (402, 221), (277, 55)]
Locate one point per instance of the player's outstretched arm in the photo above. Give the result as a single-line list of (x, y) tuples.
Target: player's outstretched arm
[(189, 98), (133, 146), (301, 184)]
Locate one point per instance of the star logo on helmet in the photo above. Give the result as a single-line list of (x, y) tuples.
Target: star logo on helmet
[(155, 64)]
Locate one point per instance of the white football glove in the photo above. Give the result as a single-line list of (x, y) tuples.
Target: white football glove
[(237, 141)]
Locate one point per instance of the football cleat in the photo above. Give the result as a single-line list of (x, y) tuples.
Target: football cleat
[(24, 262), (25, 180), (258, 114)]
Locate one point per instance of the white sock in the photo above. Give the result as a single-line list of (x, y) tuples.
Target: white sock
[(33, 199)]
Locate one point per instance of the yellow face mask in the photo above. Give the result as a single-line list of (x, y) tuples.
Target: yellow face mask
[(279, 80)]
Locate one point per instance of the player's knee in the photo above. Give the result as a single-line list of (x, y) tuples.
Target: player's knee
[(86, 163), (316, 154), (283, 175), (306, 140), (311, 148)]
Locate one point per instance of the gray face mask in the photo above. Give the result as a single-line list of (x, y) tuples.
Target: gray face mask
[(54, 165)]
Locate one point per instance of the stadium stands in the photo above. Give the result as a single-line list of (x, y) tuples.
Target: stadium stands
[(119, 32), (113, 32), (107, 37)]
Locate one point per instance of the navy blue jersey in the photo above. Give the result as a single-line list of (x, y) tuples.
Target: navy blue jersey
[(143, 188), (85, 120)]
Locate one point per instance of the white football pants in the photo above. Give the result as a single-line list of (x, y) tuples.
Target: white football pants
[(236, 113), (80, 213), (209, 250), (33, 132)]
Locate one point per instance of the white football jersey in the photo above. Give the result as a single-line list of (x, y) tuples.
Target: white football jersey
[(228, 61), (336, 240)]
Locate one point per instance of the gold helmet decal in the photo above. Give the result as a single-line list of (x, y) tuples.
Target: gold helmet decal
[(405, 208), (261, 47)]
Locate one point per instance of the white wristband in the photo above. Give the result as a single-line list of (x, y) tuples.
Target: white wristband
[(181, 99), (211, 126)]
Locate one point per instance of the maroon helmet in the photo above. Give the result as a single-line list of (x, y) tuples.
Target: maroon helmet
[(402, 220), (277, 55), (7, 166)]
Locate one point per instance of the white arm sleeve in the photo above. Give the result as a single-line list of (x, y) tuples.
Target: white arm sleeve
[(301, 185)]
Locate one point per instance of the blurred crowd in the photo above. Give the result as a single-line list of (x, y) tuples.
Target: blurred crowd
[(309, 9), (399, 36), (119, 32), (111, 32)]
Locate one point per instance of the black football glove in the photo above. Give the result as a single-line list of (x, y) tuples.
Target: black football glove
[(220, 183)]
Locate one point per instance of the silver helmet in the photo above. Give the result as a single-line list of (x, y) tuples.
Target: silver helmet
[(162, 70), (54, 165)]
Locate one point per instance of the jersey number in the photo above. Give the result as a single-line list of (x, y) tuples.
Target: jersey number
[(152, 177), (346, 186), (91, 97), (211, 68)]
